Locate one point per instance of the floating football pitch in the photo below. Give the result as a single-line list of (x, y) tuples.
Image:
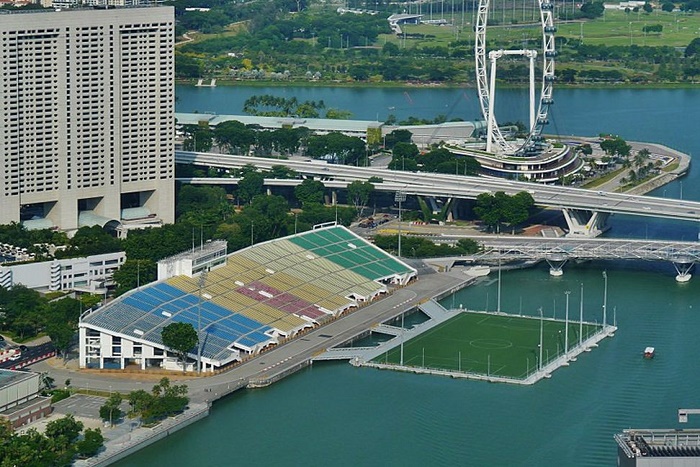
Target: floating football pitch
[(488, 344)]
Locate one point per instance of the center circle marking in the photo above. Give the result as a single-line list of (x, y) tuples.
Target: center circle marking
[(491, 344)]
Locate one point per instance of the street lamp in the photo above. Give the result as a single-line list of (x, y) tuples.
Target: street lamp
[(400, 196)]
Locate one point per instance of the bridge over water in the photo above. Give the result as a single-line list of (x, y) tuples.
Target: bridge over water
[(557, 251)]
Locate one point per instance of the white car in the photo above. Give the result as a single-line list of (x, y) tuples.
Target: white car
[(16, 356)]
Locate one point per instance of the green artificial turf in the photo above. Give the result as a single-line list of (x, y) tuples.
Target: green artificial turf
[(488, 344)]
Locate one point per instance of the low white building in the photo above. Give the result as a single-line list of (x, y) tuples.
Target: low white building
[(89, 274), (194, 261)]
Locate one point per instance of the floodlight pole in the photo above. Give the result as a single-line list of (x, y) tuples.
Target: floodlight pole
[(580, 319), (498, 306), (566, 329), (541, 331), (402, 331), (400, 196), (605, 299), (202, 278)]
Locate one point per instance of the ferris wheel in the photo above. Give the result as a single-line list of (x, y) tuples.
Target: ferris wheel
[(486, 88)]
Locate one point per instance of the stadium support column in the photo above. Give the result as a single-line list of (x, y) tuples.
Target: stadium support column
[(585, 223)]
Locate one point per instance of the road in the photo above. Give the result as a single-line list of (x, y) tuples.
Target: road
[(28, 355), (444, 185)]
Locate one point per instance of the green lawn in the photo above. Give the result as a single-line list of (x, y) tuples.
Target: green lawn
[(488, 344), (616, 28)]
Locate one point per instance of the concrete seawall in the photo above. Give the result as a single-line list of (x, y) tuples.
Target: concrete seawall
[(272, 378), (141, 437)]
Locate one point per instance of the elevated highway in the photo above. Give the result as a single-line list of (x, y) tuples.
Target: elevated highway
[(557, 251), (585, 211)]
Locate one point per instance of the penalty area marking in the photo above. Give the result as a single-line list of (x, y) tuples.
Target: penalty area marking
[(491, 344)]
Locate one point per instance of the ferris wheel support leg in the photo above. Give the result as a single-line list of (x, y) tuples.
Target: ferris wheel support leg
[(532, 92), (492, 99), (584, 223)]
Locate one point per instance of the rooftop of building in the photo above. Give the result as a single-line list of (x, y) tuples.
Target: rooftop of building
[(10, 377), (659, 443), (323, 124)]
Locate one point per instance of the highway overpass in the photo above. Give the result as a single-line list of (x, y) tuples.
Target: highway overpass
[(585, 211)]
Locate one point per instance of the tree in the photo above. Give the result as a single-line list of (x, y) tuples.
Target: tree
[(615, 147), (202, 205), (693, 48), (501, 208), (91, 443), (397, 136), (165, 399), (586, 149), (404, 156), (139, 401), (359, 193), (134, 273), (647, 7), (337, 114), (62, 434), (234, 136), (90, 241), (67, 427), (592, 10), (250, 186), (336, 147), (61, 334), (282, 172), (110, 411), (180, 338), (310, 191)]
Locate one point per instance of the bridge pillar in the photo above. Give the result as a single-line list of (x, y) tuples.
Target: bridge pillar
[(269, 191), (584, 223), (334, 198), (556, 263), (683, 267)]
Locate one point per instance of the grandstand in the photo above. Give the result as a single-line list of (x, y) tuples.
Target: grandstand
[(261, 294)]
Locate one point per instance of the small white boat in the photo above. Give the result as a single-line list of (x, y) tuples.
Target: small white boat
[(649, 352)]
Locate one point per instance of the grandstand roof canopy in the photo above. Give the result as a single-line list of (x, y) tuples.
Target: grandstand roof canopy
[(266, 291)]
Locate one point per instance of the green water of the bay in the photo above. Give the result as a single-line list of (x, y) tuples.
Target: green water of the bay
[(335, 414)]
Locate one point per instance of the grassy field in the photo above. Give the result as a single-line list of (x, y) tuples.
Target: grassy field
[(488, 344), (616, 28)]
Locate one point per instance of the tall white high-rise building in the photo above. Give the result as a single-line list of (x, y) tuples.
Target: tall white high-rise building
[(86, 117)]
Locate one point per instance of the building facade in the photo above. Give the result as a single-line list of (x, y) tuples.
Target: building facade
[(91, 274), (20, 402), (86, 106)]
